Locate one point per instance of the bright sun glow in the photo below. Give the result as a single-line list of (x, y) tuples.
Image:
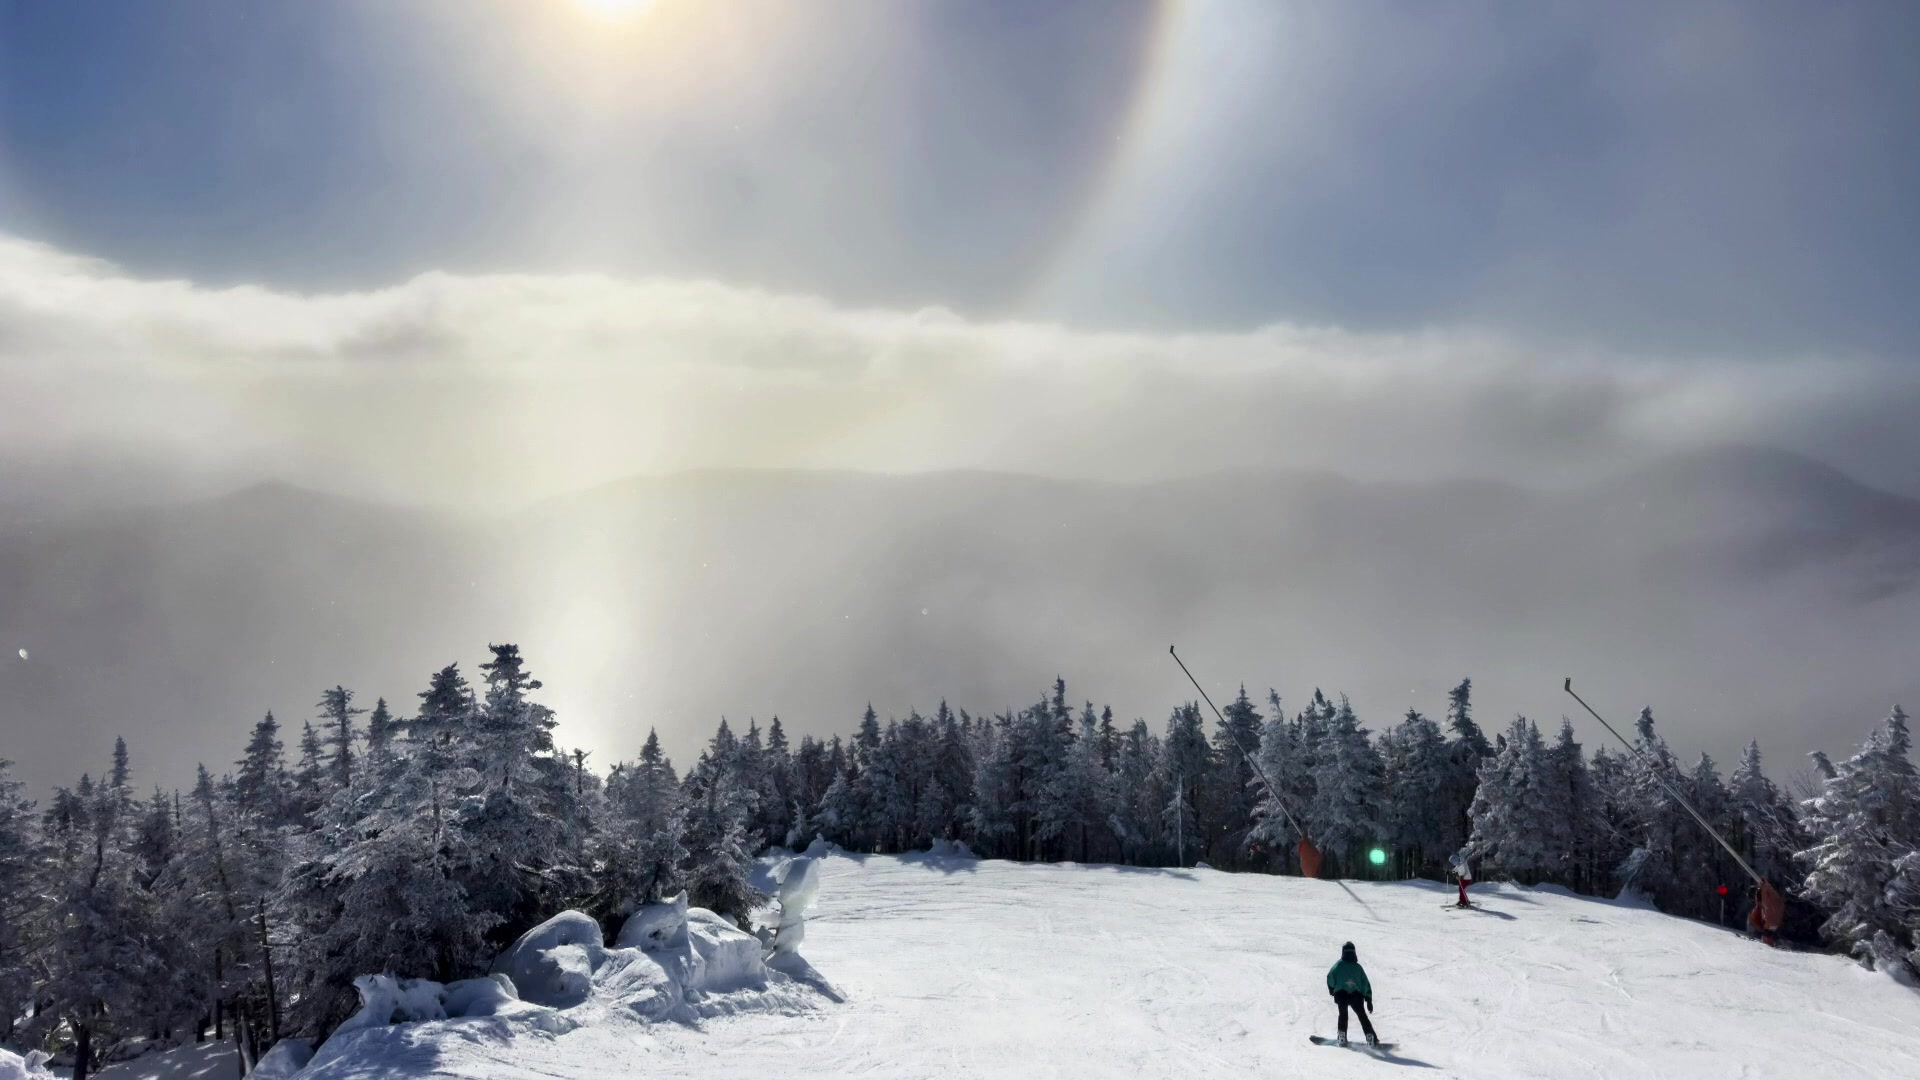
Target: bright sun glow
[(613, 10)]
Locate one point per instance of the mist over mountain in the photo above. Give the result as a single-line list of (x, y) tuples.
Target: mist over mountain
[(1739, 592)]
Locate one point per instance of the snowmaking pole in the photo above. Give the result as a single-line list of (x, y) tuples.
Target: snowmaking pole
[(1309, 854), (1772, 907)]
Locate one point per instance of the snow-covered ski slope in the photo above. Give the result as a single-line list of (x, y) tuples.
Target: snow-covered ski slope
[(951, 967)]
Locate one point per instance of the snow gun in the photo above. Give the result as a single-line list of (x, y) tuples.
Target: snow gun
[(1771, 908), (1309, 855)]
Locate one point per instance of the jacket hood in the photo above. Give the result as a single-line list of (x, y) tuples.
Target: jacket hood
[(1347, 953)]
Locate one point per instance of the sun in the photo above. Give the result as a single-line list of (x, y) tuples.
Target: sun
[(612, 10)]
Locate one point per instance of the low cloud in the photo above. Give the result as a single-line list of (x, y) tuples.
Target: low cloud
[(477, 389)]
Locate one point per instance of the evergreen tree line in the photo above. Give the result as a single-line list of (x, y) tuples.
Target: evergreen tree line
[(421, 845)]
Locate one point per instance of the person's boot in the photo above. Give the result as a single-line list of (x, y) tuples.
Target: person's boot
[(1372, 1039), (1343, 1038)]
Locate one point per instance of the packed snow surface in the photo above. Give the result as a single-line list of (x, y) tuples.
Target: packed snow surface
[(198, 1061), (942, 966)]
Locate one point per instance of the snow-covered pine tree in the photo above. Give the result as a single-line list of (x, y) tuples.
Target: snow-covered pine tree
[(1079, 798), (719, 847), (1903, 897), (945, 810), (1347, 789), (1417, 769), (1652, 815), (1109, 738), (778, 789), (310, 773), (212, 881), (643, 850), (381, 728), (1284, 761), (1519, 813), (103, 950), (337, 713), (1136, 813), (260, 782), (21, 857), (1587, 838), (1862, 824), (1467, 748), (1190, 763), (1039, 749), (1703, 863), (1183, 836), (893, 792), (839, 812), (811, 775), (1234, 789), (1765, 828), (517, 822), (1309, 739)]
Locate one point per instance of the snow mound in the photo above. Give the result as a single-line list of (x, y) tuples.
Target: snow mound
[(553, 963), (729, 958), (821, 848), (31, 1067), (656, 926), (491, 996), (696, 951), (388, 1004), (669, 962), (287, 1058), (953, 849), (385, 1000)]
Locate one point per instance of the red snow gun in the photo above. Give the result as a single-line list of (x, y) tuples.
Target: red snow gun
[(1309, 855), (1770, 909)]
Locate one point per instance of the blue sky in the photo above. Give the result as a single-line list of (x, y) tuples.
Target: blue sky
[(1733, 180)]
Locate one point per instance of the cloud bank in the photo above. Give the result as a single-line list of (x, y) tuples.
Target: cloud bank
[(486, 390)]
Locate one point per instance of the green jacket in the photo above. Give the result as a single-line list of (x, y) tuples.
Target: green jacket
[(1349, 975)]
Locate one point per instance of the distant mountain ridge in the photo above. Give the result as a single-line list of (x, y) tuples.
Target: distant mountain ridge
[(1733, 585)]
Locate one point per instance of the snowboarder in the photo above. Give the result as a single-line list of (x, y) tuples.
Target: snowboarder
[(1464, 871), (1347, 982)]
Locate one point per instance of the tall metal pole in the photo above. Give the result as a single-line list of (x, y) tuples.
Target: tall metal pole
[(1679, 798)]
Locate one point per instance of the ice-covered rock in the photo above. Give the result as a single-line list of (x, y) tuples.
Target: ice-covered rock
[(553, 963), (31, 1067)]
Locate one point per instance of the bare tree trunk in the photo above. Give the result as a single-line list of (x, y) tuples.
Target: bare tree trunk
[(243, 1035), (266, 958), (82, 1051), (219, 992)]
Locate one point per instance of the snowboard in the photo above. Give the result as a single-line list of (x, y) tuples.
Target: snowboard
[(1356, 1044)]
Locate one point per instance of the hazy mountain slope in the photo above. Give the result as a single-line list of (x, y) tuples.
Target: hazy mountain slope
[(1741, 593)]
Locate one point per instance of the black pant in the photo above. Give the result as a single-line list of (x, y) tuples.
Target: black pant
[(1347, 999)]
